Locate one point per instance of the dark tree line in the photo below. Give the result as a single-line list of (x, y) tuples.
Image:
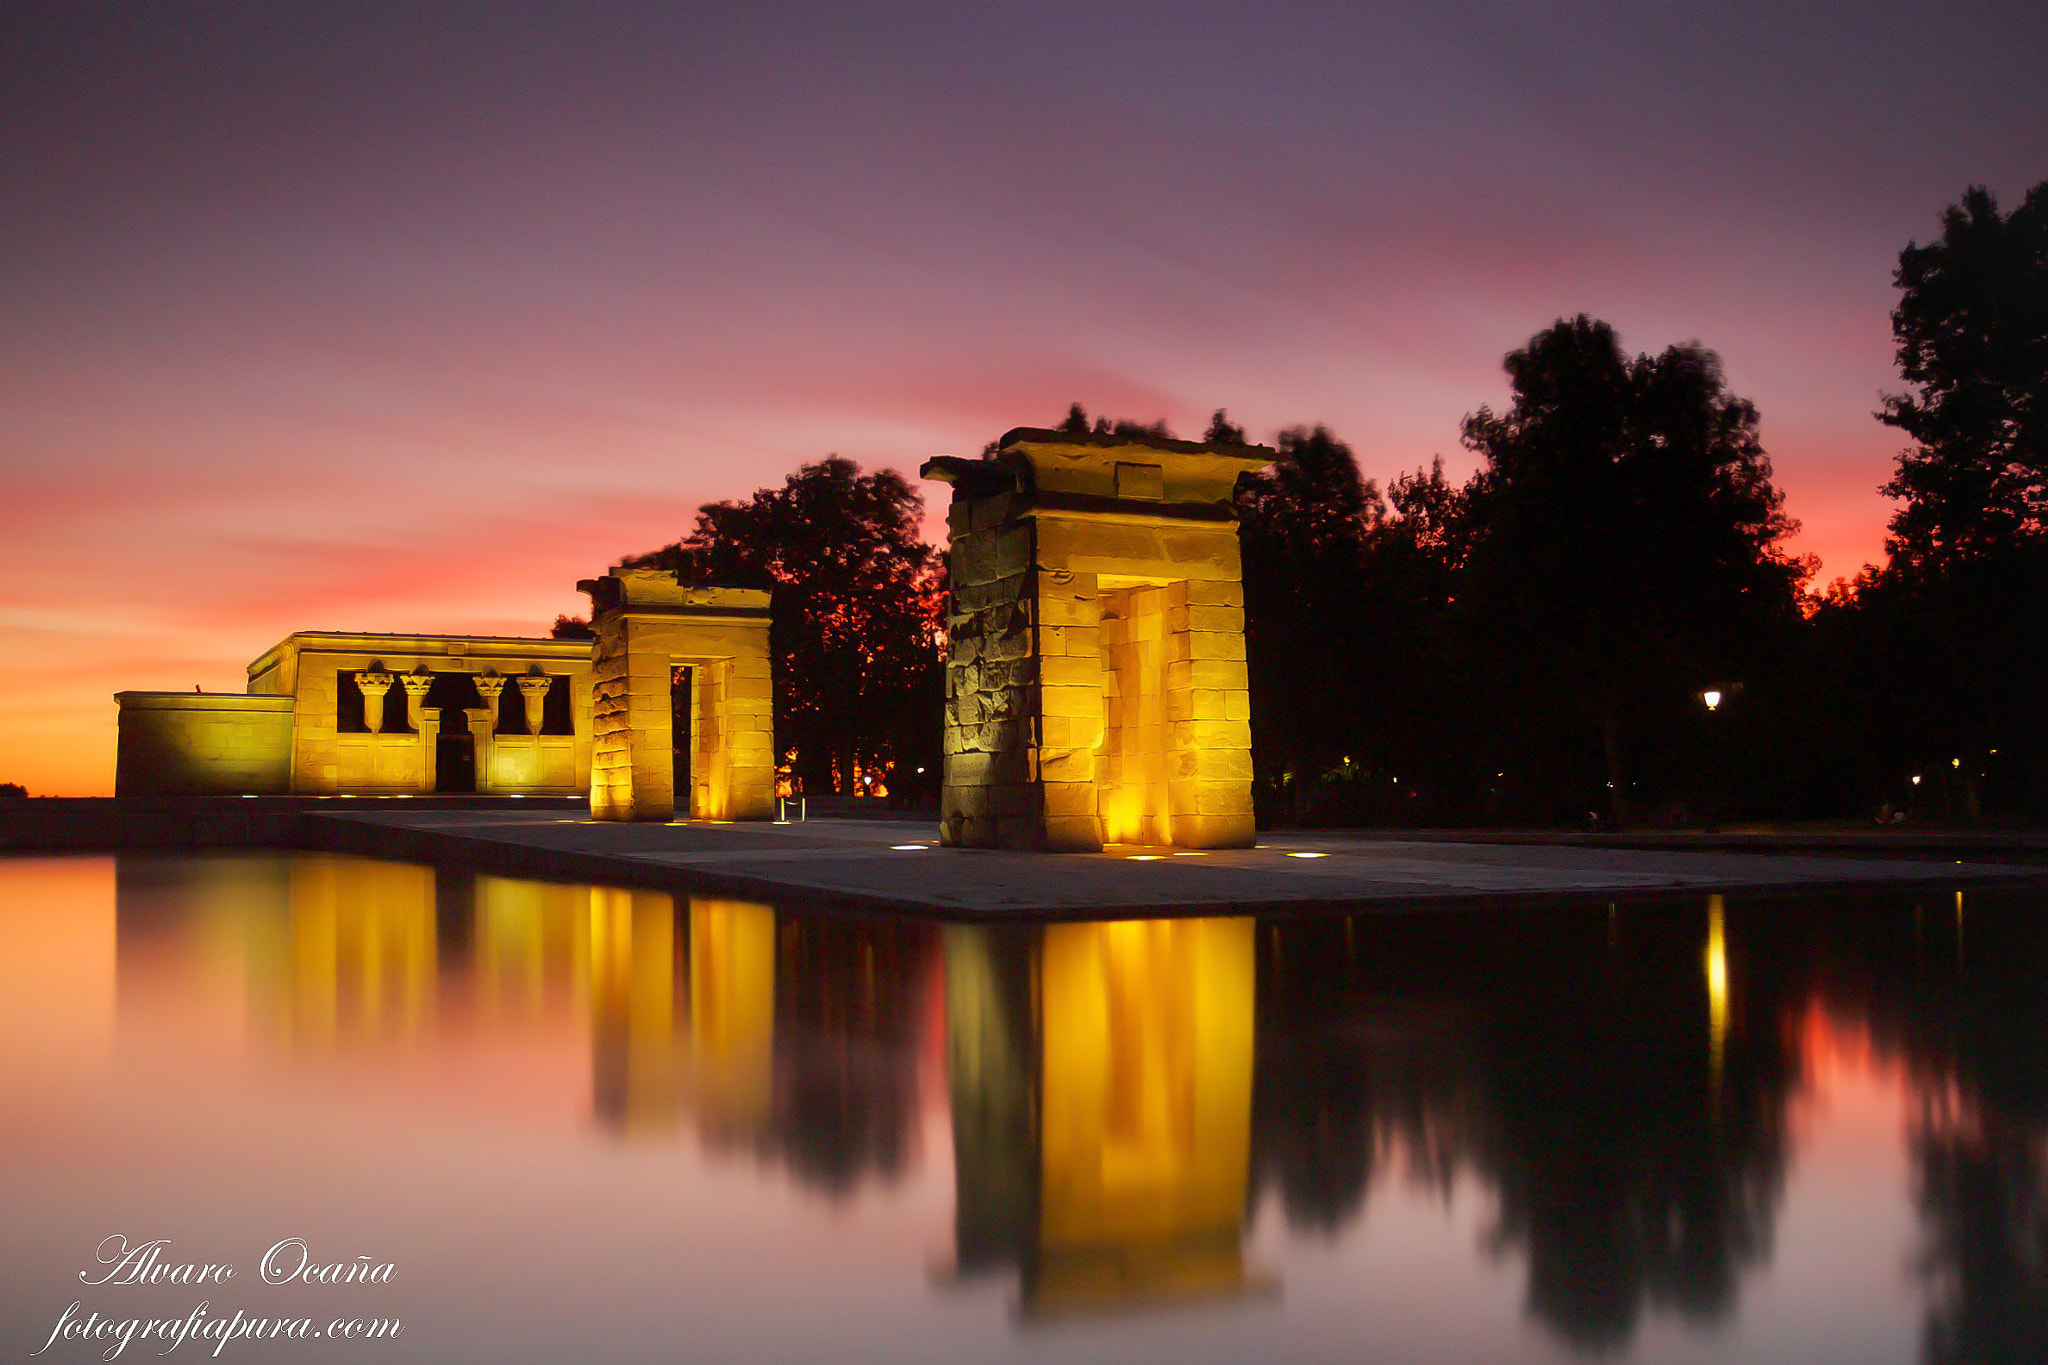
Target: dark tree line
[(1538, 643)]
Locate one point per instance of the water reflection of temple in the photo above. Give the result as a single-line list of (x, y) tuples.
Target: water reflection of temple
[(1617, 1084), (794, 1040), (1102, 1083)]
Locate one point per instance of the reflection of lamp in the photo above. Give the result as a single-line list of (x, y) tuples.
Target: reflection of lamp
[(1717, 997)]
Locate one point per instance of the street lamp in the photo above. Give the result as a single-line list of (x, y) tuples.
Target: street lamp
[(1712, 698)]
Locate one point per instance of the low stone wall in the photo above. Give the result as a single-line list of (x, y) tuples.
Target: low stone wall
[(215, 743)]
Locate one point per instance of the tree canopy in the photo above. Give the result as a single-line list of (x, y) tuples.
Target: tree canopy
[(855, 615), (1626, 546), (1972, 333)]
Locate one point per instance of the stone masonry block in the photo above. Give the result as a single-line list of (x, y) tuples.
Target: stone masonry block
[(1060, 670)]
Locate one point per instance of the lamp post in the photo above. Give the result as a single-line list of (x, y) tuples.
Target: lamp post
[(1711, 699)]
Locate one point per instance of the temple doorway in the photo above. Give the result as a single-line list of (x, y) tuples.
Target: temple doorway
[(454, 753), (680, 711)]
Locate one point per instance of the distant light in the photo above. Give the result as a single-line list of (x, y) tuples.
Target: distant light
[(1711, 697), (1397, 781), (1193, 853), (517, 796), (1916, 779), (1143, 858), (1955, 763), (1308, 855), (910, 848), (248, 796), (1993, 751)]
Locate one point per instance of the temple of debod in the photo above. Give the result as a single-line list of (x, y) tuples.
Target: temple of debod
[(667, 712), (1095, 681)]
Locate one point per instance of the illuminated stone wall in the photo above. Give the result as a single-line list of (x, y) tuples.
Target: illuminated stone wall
[(1095, 685), (649, 624), (285, 734), (193, 744), (398, 753)]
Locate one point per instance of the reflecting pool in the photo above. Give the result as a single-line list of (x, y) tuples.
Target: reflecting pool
[(582, 1123)]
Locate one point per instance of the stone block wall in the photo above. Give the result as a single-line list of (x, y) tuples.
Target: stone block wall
[(991, 791), (611, 719), (540, 765), (210, 744)]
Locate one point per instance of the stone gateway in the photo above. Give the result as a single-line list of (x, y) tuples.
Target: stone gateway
[(1095, 681)]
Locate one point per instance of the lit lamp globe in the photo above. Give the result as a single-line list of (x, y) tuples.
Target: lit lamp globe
[(1712, 697)]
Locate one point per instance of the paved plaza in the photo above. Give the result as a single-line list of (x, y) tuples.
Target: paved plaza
[(897, 865)]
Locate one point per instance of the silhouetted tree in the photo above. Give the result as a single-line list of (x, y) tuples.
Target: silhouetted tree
[(1626, 550), (1223, 431), (1077, 423), (856, 612), (1972, 333), (1304, 525), (571, 628), (1932, 665)]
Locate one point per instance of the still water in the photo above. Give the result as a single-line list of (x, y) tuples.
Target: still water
[(589, 1124)]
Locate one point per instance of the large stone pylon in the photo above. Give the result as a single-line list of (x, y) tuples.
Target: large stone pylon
[(1095, 685)]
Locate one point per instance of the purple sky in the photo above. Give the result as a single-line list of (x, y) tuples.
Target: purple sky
[(406, 317)]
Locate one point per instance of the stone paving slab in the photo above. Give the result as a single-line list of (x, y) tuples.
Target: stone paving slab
[(892, 865)]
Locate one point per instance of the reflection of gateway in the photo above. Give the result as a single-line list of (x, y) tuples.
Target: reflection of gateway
[(681, 1027), (1102, 1078)]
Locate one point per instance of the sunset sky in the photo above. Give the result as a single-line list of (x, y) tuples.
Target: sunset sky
[(400, 317)]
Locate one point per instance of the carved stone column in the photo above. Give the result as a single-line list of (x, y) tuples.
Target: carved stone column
[(533, 688), (373, 684), (491, 687), (417, 683)]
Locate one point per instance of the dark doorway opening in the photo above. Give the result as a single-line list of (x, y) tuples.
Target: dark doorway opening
[(454, 753), (680, 712)]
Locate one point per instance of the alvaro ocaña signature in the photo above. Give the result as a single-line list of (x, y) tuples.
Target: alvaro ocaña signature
[(289, 1261)]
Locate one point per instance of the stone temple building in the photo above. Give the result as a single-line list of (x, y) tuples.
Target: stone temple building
[(333, 714), (670, 708), (1096, 689)]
